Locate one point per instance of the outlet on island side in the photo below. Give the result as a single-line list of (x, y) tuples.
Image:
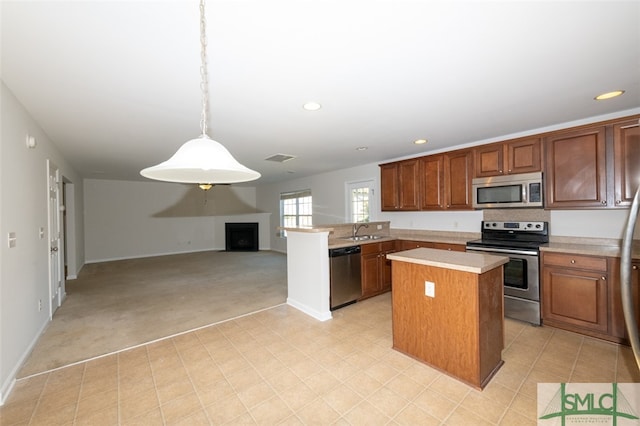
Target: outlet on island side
[(429, 289)]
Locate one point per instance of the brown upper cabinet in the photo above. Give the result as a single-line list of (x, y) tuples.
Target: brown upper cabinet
[(575, 169), (586, 167), (399, 185), (511, 157), (445, 181), (626, 165), (458, 169), (594, 166)]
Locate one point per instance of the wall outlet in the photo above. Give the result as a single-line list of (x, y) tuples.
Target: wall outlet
[(429, 289), (39, 305), (379, 227)]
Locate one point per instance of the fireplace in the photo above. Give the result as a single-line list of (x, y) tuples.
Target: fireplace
[(241, 236)]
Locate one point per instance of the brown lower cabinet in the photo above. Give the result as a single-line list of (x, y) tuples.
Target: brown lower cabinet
[(582, 294), (376, 268)]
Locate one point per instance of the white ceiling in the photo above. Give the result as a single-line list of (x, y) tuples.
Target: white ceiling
[(116, 85)]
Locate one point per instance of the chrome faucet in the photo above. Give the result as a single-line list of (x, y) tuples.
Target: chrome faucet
[(356, 228)]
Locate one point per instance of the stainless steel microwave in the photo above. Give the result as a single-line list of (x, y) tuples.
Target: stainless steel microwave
[(510, 191)]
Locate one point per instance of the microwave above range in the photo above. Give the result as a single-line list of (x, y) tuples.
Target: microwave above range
[(512, 191)]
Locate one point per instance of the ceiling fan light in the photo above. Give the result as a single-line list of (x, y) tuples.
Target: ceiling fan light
[(198, 161)]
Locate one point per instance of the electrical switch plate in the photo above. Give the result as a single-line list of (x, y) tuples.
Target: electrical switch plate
[(379, 227), (429, 289), (12, 239), (41, 232)]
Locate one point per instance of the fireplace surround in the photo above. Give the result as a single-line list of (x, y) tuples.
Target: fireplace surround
[(241, 236)]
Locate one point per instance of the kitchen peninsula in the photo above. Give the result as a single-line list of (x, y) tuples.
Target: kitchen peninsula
[(448, 311)]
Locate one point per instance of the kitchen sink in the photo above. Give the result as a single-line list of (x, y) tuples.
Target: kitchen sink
[(364, 237)]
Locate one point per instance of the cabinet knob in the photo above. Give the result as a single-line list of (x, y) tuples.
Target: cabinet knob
[(499, 171), (618, 201), (603, 202), (634, 267), (603, 278), (573, 261), (509, 171)]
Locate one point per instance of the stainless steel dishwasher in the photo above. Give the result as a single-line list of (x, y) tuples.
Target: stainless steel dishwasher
[(346, 286)]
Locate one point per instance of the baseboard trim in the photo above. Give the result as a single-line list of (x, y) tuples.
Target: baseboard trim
[(112, 259), (8, 384), (320, 316)]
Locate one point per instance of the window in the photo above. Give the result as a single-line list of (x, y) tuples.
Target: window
[(360, 201), (296, 209)]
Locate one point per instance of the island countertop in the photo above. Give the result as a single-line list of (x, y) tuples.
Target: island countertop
[(477, 263)]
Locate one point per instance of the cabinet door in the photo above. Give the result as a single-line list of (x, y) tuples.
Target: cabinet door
[(389, 186), (626, 146), (432, 183), (523, 156), (575, 298), (408, 182), (458, 172), (489, 160), (370, 274), (575, 169)]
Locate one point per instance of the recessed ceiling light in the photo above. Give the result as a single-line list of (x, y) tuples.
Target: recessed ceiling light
[(609, 95), (362, 148), (312, 106), (420, 141)]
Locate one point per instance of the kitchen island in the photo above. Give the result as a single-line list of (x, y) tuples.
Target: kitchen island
[(448, 311)]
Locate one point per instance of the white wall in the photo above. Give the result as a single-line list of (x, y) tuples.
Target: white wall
[(138, 219), (23, 210)]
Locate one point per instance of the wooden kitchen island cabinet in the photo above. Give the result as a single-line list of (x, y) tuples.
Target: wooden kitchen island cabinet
[(458, 327)]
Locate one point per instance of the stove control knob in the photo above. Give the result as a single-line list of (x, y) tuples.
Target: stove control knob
[(529, 225), (538, 226), (494, 224)]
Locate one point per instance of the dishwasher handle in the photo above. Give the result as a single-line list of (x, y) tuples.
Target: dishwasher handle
[(344, 251)]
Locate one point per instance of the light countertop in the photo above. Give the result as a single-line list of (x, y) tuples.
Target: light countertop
[(607, 248), (476, 263)]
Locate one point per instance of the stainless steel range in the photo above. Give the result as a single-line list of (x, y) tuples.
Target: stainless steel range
[(521, 242)]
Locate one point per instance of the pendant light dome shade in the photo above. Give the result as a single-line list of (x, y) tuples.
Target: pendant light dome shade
[(202, 161), (198, 161)]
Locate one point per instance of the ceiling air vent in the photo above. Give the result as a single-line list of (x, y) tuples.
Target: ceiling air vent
[(280, 158)]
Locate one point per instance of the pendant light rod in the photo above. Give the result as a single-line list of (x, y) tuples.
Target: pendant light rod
[(204, 78), (202, 161)]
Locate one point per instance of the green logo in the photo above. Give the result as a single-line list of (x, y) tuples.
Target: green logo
[(588, 403)]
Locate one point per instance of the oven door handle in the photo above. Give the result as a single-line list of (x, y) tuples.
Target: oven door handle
[(505, 251)]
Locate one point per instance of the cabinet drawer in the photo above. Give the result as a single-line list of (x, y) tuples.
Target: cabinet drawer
[(370, 248), (388, 246), (575, 261)]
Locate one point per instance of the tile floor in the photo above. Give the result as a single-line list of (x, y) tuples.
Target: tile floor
[(280, 366)]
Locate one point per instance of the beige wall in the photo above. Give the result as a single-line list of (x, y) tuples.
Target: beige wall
[(137, 219)]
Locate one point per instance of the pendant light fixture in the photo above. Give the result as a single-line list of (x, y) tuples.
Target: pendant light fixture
[(201, 161)]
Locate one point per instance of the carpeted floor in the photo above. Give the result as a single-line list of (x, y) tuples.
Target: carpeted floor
[(117, 305)]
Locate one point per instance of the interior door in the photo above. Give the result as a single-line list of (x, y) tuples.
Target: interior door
[(56, 285)]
